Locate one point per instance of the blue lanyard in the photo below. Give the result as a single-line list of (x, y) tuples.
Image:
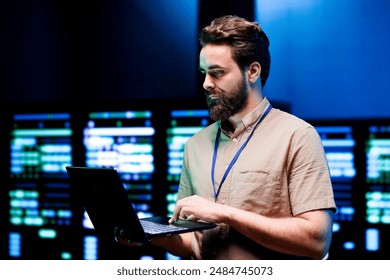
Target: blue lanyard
[(233, 161)]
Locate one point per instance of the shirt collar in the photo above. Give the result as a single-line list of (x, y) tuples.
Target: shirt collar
[(249, 119)]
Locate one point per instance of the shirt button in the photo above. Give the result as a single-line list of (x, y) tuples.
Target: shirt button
[(235, 140)]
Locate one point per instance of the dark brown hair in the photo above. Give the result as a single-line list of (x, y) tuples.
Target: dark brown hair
[(248, 41)]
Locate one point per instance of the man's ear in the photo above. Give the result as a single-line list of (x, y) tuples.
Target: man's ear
[(253, 72)]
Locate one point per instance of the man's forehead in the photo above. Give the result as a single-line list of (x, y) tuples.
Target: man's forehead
[(213, 55)]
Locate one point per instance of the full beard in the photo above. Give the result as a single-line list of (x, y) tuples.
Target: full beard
[(227, 105)]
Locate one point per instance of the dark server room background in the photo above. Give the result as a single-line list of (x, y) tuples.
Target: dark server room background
[(115, 83)]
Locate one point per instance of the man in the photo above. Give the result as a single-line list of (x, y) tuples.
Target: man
[(259, 173)]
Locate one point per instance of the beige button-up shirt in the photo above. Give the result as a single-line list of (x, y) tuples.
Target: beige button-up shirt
[(281, 172)]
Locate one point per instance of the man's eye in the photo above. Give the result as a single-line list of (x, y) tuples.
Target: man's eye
[(217, 72)]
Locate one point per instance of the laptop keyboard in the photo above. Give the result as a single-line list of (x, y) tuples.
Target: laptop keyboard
[(153, 228)]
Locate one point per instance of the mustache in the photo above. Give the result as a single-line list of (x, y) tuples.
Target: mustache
[(207, 92), (214, 91), (210, 101)]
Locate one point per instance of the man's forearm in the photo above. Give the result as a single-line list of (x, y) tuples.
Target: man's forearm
[(307, 235)]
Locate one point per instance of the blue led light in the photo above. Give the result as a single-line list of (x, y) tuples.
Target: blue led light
[(372, 239)]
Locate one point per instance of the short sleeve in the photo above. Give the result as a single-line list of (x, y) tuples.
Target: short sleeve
[(310, 186)]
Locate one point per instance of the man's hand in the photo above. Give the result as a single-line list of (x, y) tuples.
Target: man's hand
[(121, 238), (179, 245), (198, 208)]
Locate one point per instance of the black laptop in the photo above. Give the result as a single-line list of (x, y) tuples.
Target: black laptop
[(100, 191)]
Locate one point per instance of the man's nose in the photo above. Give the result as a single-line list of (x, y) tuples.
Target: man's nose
[(208, 83)]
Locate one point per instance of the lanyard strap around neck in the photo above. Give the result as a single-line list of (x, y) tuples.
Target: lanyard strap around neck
[(233, 161)]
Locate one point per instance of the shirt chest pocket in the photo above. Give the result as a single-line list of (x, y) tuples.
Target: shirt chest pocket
[(259, 191)]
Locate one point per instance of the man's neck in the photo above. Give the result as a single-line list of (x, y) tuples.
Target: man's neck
[(230, 125), (253, 101)]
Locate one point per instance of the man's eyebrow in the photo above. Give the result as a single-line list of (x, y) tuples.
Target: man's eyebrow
[(211, 67)]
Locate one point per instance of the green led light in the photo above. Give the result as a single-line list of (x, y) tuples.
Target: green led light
[(17, 194), (184, 130), (47, 233), (60, 132), (47, 213), (23, 194), (373, 212), (33, 221), (30, 162), (63, 213), (379, 142), (30, 154), (56, 158), (121, 115), (17, 221), (14, 203), (66, 256), (16, 212), (385, 219), (373, 219)]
